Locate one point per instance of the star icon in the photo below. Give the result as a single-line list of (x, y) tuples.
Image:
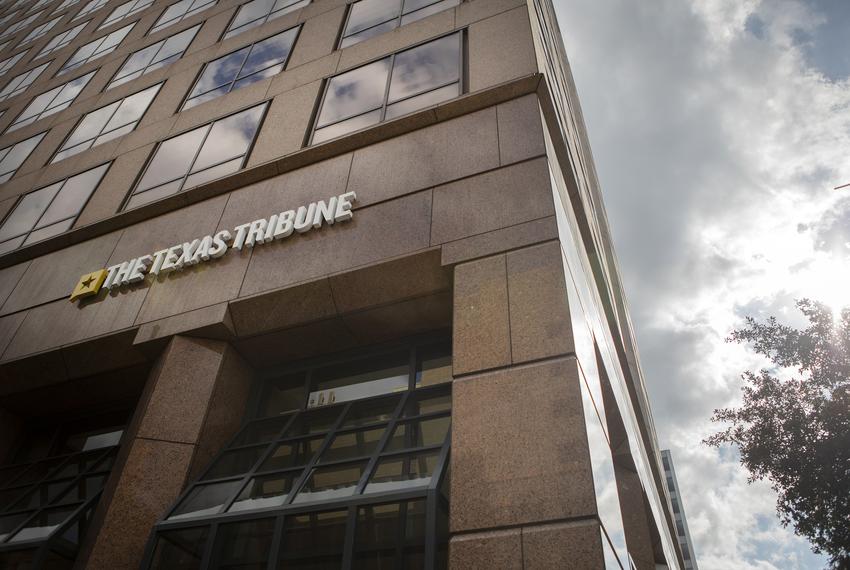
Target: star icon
[(89, 284)]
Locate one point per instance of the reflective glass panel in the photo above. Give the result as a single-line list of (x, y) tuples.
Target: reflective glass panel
[(10, 61), (258, 12), (313, 421), (242, 67), (265, 491), (180, 11), (19, 25), (390, 536), (96, 48), (371, 411), (427, 403), (205, 500), (313, 541), (91, 6), (154, 56), (292, 454), (419, 433), (59, 41), (331, 482), (66, 4), (425, 68), (125, 10), (40, 30), (51, 102), (22, 81), (9, 523), (261, 431), (44, 523), (355, 92), (181, 549), (83, 489), (12, 157), (283, 394), (235, 462), (352, 445), (369, 18), (435, 365), (244, 545), (405, 472), (107, 123)]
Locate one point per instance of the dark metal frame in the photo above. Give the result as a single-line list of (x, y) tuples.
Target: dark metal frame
[(432, 494), (285, 62), (147, 69), (188, 13), (267, 18), (398, 19), (266, 104), (461, 81)]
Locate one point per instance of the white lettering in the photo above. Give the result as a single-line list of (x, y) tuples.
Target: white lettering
[(325, 211), (187, 253), (343, 207), (241, 232), (256, 232), (172, 258), (283, 227), (139, 268), (219, 247), (158, 258), (110, 282), (203, 251), (304, 218)]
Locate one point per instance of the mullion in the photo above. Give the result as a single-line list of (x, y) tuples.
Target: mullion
[(197, 154), (367, 471), (350, 34), (446, 84)]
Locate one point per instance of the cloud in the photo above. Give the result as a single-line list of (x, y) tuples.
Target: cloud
[(719, 134)]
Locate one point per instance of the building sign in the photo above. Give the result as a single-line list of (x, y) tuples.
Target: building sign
[(204, 249)]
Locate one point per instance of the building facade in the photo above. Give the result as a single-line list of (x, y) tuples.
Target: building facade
[(311, 284), (683, 534)]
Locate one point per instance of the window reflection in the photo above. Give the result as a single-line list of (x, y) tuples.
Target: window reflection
[(107, 123), (188, 159), (12, 157), (154, 57), (49, 211), (40, 30), (9, 62), (242, 67), (258, 12), (96, 49), (180, 11), (391, 536), (59, 41), (394, 86), (91, 6), (369, 18), (51, 102), (19, 25), (125, 10), (20, 82)]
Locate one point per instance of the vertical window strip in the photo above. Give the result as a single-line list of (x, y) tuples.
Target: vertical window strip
[(154, 57), (59, 41), (49, 211), (258, 12), (51, 102), (22, 81), (180, 11)]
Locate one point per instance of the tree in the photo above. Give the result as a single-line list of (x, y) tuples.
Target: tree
[(795, 432)]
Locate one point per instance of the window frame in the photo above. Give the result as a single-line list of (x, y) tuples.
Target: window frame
[(461, 81), (44, 51), (34, 228), (42, 134), (266, 104), (196, 27), (224, 35), (83, 12), (431, 493), (26, 21), (41, 115), (133, 11), (399, 18), (209, 4), (20, 55), (186, 98), (95, 55), (40, 30)]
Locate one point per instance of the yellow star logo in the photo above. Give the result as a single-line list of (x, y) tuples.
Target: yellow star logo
[(89, 285)]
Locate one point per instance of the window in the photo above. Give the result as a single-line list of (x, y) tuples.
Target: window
[(92, 6), (60, 40), (12, 157), (197, 156), (154, 57), (51, 102), (10, 61), (40, 30), (49, 211), (180, 11), (125, 10), (368, 18), (390, 87), (258, 12), (96, 48), (242, 68), (362, 481), (47, 502), (39, 5), (3, 46), (22, 81), (67, 4), (7, 17), (19, 25), (107, 123)]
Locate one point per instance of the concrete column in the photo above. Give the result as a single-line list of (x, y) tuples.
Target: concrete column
[(194, 401), (522, 486)]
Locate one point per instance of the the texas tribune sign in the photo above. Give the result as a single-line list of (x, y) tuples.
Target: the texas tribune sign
[(177, 257)]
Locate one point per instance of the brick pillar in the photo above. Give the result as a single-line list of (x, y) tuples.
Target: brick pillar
[(522, 486), (194, 401)]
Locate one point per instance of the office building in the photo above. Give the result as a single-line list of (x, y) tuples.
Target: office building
[(311, 284)]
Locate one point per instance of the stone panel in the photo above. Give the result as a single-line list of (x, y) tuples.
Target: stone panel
[(150, 481), (291, 109), (475, 10), (493, 200), (401, 319), (284, 308), (497, 241), (519, 449), (381, 232), (9, 278), (8, 327), (115, 186), (565, 545), (540, 315), (500, 549), (54, 276), (500, 49), (427, 157), (520, 130), (317, 37), (481, 319)]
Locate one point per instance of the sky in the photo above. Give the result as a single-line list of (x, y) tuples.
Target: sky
[(720, 129)]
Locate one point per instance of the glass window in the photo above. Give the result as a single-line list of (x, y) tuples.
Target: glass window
[(60, 40), (183, 549), (96, 48), (91, 6), (12, 157), (4, 44), (19, 25), (258, 12), (418, 78), (50, 211), (21, 81), (40, 30), (39, 5), (107, 123), (180, 11), (391, 536), (125, 10), (368, 18), (154, 56), (244, 545), (242, 67), (7, 17), (51, 102), (315, 540), (198, 156), (10, 61), (67, 4)]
